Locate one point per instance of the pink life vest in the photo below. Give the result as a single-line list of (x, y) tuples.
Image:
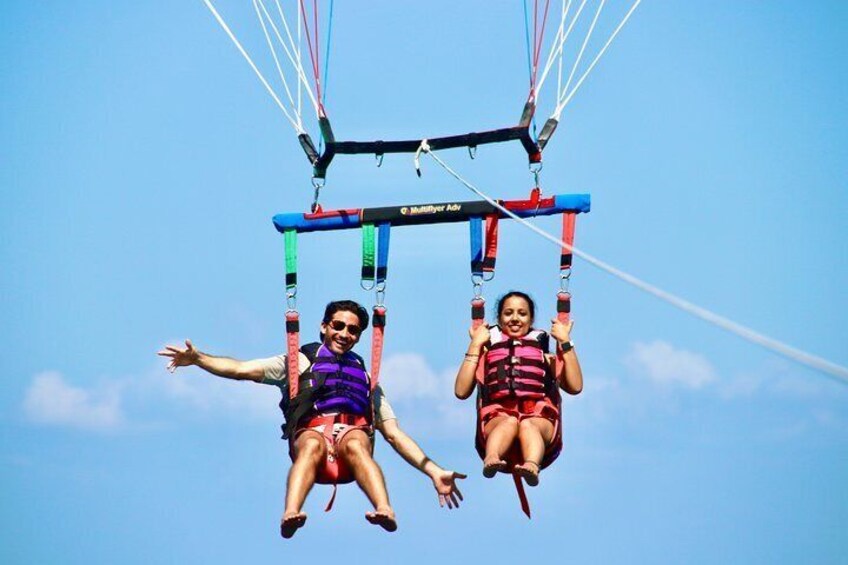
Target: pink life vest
[(516, 367)]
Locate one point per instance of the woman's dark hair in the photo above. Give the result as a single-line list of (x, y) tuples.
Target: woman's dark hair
[(346, 306), (517, 294)]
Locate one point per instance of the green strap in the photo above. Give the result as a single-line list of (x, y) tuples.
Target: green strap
[(368, 248), (291, 258)]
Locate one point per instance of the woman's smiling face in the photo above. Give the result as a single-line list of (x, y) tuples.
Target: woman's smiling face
[(515, 318)]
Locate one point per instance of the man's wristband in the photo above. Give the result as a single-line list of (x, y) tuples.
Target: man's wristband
[(566, 347)]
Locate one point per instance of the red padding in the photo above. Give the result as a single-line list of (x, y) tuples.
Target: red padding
[(491, 243), (377, 344), (293, 351)]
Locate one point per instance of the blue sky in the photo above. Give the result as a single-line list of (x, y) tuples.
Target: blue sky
[(142, 163)]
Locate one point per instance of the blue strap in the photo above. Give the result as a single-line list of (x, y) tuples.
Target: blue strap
[(382, 251), (475, 226)]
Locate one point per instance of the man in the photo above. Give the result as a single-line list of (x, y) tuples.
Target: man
[(330, 426)]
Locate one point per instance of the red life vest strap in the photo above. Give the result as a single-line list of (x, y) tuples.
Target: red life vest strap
[(378, 328), (293, 351), (522, 496)]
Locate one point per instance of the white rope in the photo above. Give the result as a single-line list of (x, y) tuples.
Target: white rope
[(563, 103), (559, 62), (812, 361), (297, 62), (582, 50), (276, 59), (299, 58), (270, 90), (558, 46)]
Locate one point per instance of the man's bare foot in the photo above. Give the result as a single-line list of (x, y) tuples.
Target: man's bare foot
[(530, 471), (291, 522), (492, 465), (384, 517)]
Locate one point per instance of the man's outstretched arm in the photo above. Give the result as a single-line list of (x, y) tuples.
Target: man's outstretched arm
[(226, 367), (444, 481)]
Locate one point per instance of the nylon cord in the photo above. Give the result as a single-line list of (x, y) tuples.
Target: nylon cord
[(270, 90), (838, 372)]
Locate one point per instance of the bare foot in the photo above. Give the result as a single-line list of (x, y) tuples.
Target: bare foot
[(530, 471), (384, 517), (291, 522), (491, 466)]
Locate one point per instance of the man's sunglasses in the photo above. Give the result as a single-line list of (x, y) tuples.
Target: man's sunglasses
[(338, 326)]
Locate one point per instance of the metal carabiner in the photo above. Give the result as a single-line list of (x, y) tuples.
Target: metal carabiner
[(477, 285), (564, 279), (380, 295), (472, 151), (318, 183), (291, 299), (379, 158)]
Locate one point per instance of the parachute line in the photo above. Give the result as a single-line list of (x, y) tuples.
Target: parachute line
[(838, 372), (250, 62), (564, 101)]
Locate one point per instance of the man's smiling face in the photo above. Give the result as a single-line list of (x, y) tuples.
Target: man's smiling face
[(342, 332)]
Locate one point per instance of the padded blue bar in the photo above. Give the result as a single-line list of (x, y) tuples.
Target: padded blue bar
[(438, 213), (299, 222)]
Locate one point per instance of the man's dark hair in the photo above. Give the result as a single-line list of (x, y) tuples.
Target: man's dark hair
[(346, 306)]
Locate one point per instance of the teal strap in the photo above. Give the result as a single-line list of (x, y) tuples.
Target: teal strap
[(368, 249), (291, 258)]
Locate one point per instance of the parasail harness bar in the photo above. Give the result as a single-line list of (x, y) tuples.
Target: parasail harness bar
[(521, 132)]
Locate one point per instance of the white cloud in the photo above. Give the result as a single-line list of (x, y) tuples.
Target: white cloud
[(410, 376), (195, 389), (665, 365), (50, 400)]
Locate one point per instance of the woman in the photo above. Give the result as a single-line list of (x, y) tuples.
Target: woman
[(518, 404)]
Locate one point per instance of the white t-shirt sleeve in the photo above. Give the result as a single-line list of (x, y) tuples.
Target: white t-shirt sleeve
[(382, 409), (276, 369)]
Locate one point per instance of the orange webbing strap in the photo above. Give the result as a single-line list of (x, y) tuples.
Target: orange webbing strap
[(478, 318), (563, 296), (522, 496), (379, 324), (491, 253), (568, 219), (293, 351), (332, 498)]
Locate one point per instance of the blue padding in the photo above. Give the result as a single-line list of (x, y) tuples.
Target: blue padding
[(383, 232), (297, 221), (475, 226), (572, 202)]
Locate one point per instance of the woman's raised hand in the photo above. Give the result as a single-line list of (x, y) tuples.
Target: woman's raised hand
[(479, 335), (561, 331)]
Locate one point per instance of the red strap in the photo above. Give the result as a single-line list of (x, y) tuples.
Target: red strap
[(377, 344), (293, 351), (478, 318), (478, 312), (332, 498), (568, 219), (491, 243), (522, 496)]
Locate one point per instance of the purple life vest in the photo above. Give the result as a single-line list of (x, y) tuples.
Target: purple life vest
[(346, 387), (333, 384)]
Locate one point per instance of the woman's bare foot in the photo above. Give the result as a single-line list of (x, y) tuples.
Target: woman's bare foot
[(530, 471), (384, 517), (492, 465), (292, 521)]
